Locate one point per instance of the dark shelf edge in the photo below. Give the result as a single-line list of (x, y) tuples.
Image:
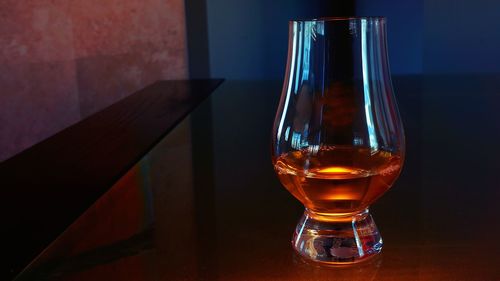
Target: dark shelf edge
[(49, 185)]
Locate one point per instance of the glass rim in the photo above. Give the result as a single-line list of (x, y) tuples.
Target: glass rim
[(330, 19)]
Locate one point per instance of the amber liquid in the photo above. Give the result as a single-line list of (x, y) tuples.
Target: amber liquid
[(337, 180)]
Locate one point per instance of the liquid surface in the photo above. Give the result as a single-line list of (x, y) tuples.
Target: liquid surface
[(337, 179)]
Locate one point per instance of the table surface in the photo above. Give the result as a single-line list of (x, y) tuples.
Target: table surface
[(205, 204)]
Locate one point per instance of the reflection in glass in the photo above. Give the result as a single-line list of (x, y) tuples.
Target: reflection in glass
[(338, 141)]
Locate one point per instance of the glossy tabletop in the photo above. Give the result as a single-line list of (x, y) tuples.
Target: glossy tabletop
[(205, 203)]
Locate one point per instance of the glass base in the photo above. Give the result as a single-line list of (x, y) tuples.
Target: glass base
[(337, 239)]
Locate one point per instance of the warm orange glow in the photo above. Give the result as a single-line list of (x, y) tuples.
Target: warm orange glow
[(331, 185), (336, 170)]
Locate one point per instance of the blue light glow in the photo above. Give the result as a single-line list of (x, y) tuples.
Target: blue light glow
[(366, 89)]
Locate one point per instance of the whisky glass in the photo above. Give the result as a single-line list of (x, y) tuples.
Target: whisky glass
[(338, 141)]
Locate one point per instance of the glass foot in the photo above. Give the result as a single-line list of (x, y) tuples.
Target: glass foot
[(337, 239)]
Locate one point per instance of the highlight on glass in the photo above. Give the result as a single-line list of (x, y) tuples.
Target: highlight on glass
[(337, 141)]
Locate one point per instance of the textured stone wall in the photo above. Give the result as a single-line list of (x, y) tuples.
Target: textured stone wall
[(62, 60)]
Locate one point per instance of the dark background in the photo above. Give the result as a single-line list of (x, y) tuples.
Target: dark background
[(248, 39)]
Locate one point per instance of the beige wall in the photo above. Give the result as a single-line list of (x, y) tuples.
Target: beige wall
[(62, 60)]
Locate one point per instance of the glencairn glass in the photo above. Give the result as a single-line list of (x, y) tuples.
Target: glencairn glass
[(337, 141)]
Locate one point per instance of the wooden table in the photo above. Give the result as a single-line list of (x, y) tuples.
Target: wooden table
[(205, 204)]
